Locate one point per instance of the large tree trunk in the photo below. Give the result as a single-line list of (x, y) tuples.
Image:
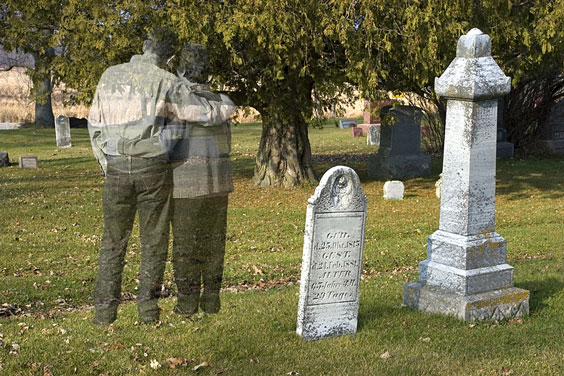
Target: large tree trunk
[(284, 155), (43, 109)]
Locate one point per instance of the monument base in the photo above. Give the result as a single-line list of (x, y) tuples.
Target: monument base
[(399, 166), (504, 149), (494, 305)]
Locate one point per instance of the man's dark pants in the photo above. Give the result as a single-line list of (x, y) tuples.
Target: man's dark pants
[(133, 185)]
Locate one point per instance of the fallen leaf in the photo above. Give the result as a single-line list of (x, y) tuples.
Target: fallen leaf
[(505, 372), (426, 339), (201, 365), (256, 270), (173, 362), (386, 355)]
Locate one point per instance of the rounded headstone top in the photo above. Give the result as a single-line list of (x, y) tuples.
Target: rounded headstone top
[(475, 31)]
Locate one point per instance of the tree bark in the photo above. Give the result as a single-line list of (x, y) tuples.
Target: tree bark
[(43, 109), (284, 155)]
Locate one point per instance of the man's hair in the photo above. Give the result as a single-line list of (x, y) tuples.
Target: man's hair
[(162, 42)]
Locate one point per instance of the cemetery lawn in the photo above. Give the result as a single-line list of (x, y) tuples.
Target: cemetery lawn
[(51, 225)]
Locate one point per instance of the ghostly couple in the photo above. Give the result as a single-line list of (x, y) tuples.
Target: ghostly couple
[(163, 142)]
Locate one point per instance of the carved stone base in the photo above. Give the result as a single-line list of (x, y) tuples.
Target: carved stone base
[(399, 166), (494, 305)]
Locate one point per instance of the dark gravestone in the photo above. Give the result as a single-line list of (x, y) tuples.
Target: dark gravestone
[(356, 132), (399, 155), (4, 159), (552, 130), (504, 149)]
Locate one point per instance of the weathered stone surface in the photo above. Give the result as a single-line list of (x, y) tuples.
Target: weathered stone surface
[(4, 159), (332, 256), (438, 186), (473, 74), (28, 162), (465, 273), (494, 305), (399, 155), (62, 131), (373, 135), (393, 190)]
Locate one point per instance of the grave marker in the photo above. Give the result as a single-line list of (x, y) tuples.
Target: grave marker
[(332, 256), (465, 274), (62, 131), (393, 190), (28, 162), (373, 136), (347, 123)]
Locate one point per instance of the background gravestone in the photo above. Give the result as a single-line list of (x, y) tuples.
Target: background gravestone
[(393, 190), (332, 256), (504, 148), (4, 159), (465, 274), (28, 162), (347, 123), (373, 136), (552, 130), (62, 131), (399, 155)]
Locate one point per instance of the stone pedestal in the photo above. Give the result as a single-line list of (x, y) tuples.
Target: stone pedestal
[(399, 155), (465, 274)]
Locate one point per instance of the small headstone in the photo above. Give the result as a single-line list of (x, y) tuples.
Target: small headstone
[(373, 136), (356, 132), (332, 256), (393, 190), (62, 131), (347, 123), (28, 162)]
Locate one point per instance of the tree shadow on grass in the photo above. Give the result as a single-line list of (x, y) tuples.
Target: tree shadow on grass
[(540, 291)]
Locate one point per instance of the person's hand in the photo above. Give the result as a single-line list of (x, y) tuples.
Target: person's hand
[(111, 147)]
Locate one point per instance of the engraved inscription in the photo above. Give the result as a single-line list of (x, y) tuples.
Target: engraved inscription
[(336, 258)]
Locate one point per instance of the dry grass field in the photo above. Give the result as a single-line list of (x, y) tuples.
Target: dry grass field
[(16, 106)]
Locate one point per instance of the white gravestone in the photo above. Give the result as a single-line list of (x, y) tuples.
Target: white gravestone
[(373, 136), (62, 131), (465, 274), (332, 256), (393, 190)]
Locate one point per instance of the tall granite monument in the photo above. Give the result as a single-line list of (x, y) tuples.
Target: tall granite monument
[(399, 155), (465, 274), (332, 256)]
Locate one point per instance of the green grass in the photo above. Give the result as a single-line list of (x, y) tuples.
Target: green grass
[(51, 225)]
